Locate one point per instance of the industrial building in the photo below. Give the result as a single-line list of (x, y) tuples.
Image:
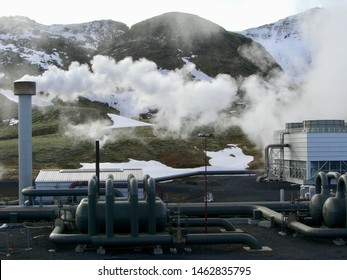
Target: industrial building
[(49, 179), (304, 149)]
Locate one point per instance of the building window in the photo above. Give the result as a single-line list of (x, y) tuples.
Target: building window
[(327, 166)]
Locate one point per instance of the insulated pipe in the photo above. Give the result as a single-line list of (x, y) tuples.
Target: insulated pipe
[(282, 153), (31, 191), (223, 238), (322, 183), (333, 175), (341, 187), (318, 232), (202, 173), (92, 199), (267, 159), (24, 90), (322, 194), (32, 212), (234, 208), (212, 222), (334, 208), (57, 236), (150, 198), (109, 206), (278, 218), (133, 198)]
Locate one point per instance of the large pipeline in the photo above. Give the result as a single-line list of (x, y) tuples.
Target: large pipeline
[(32, 191), (279, 218), (58, 236), (269, 210), (136, 237), (202, 173)]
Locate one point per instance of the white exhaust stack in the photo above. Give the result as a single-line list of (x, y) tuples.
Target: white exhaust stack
[(24, 90)]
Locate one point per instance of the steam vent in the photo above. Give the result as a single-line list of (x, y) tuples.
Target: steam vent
[(24, 90)]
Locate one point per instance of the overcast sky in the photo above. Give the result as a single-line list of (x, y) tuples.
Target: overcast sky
[(233, 15)]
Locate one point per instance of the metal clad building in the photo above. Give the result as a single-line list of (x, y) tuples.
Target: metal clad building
[(77, 178), (48, 178), (314, 145)]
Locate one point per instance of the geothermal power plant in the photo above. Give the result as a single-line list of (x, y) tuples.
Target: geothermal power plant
[(117, 208)]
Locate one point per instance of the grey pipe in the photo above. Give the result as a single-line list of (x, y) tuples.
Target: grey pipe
[(92, 199), (133, 198), (29, 212), (31, 191), (333, 175), (267, 160), (109, 206), (282, 153), (334, 208), (223, 238), (317, 201), (150, 198), (322, 183), (234, 208), (57, 236), (212, 222), (318, 232), (341, 187), (237, 209), (202, 173)]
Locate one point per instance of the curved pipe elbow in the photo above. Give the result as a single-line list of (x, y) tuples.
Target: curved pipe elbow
[(322, 183)]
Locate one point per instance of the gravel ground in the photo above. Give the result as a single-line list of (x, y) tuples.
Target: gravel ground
[(30, 240)]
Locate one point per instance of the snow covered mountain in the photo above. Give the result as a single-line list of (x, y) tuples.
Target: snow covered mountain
[(27, 47), (286, 42), (30, 47)]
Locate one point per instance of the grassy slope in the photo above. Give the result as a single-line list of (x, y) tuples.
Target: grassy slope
[(52, 149)]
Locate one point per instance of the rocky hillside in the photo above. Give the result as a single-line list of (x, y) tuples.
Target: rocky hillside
[(168, 38), (28, 47)]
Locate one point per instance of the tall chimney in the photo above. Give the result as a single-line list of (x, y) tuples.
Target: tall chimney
[(24, 90)]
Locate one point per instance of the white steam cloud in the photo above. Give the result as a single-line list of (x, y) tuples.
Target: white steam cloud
[(184, 104), (134, 87), (321, 94)]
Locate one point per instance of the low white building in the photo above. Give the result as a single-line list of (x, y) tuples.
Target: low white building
[(49, 179)]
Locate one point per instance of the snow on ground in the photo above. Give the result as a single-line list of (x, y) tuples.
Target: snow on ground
[(121, 122), (231, 158)]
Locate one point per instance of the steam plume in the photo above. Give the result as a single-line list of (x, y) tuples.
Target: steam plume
[(136, 86), (184, 104), (320, 95)]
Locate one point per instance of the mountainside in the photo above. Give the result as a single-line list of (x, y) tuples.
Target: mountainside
[(27, 47), (285, 41), (168, 38)]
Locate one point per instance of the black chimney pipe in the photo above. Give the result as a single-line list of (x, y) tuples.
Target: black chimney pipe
[(97, 164)]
